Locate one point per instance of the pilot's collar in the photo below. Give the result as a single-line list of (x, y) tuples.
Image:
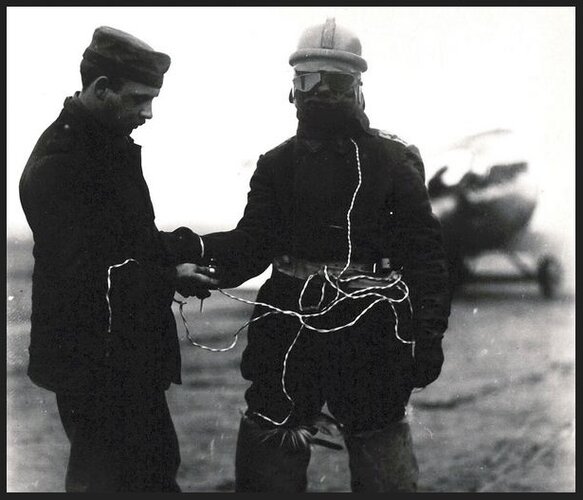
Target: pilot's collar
[(338, 144)]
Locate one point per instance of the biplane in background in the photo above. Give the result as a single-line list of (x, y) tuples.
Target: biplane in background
[(484, 195)]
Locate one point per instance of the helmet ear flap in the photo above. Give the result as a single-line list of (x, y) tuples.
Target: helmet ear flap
[(360, 97)]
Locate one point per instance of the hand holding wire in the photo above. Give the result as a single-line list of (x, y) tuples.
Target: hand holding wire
[(194, 280), (376, 287)]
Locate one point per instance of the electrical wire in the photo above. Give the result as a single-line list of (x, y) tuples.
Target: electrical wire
[(385, 283)]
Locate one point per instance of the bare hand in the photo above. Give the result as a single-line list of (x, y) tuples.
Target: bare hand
[(195, 280)]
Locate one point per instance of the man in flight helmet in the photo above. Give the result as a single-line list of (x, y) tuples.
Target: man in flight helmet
[(355, 309)]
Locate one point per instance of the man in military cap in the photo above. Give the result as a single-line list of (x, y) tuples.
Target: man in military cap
[(354, 312), (103, 336)]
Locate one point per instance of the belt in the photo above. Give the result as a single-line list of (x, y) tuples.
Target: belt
[(303, 269)]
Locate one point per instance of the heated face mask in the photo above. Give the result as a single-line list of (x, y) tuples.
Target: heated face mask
[(328, 113)]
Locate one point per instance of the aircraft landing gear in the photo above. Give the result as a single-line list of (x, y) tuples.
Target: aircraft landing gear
[(547, 272), (458, 272), (549, 275)]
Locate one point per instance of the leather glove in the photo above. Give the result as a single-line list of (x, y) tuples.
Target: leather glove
[(427, 362), (182, 245), (194, 280)]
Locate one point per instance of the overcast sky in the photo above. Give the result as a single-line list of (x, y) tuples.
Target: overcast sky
[(435, 75)]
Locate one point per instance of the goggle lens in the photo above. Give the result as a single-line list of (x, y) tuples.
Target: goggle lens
[(337, 82), (306, 81)]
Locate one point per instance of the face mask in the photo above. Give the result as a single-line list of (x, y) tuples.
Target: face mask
[(330, 112)]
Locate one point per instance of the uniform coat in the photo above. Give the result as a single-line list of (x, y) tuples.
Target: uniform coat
[(89, 208), (297, 205)]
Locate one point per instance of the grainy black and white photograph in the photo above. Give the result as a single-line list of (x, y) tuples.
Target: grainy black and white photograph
[(290, 249)]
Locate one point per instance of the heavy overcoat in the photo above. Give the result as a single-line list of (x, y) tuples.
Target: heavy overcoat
[(326, 200), (298, 203), (102, 279)]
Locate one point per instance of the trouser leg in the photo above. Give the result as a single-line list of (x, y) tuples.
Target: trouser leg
[(119, 442), (267, 460), (152, 451), (88, 464), (383, 460)]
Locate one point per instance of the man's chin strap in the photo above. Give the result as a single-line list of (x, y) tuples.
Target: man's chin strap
[(360, 98)]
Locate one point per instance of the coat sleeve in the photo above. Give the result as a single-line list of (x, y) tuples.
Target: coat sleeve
[(69, 227), (79, 242), (183, 245), (418, 247), (247, 250)]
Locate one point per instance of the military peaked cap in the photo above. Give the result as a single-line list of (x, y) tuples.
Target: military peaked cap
[(123, 55)]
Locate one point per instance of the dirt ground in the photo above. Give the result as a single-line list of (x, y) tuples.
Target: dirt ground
[(501, 417)]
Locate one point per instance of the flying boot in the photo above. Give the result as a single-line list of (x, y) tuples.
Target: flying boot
[(382, 460)]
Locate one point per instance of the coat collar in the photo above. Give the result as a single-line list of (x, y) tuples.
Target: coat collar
[(92, 128), (312, 144)]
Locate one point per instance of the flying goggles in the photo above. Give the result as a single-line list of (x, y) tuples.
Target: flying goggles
[(337, 82)]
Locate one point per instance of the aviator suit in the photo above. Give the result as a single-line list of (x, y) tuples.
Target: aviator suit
[(297, 208)]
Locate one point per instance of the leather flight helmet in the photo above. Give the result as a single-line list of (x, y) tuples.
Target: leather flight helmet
[(328, 47)]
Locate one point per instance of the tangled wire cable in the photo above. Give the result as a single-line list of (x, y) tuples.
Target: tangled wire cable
[(383, 284)]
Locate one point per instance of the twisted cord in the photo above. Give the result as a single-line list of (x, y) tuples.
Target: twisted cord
[(385, 283)]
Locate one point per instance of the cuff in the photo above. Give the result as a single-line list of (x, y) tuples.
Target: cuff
[(183, 245)]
